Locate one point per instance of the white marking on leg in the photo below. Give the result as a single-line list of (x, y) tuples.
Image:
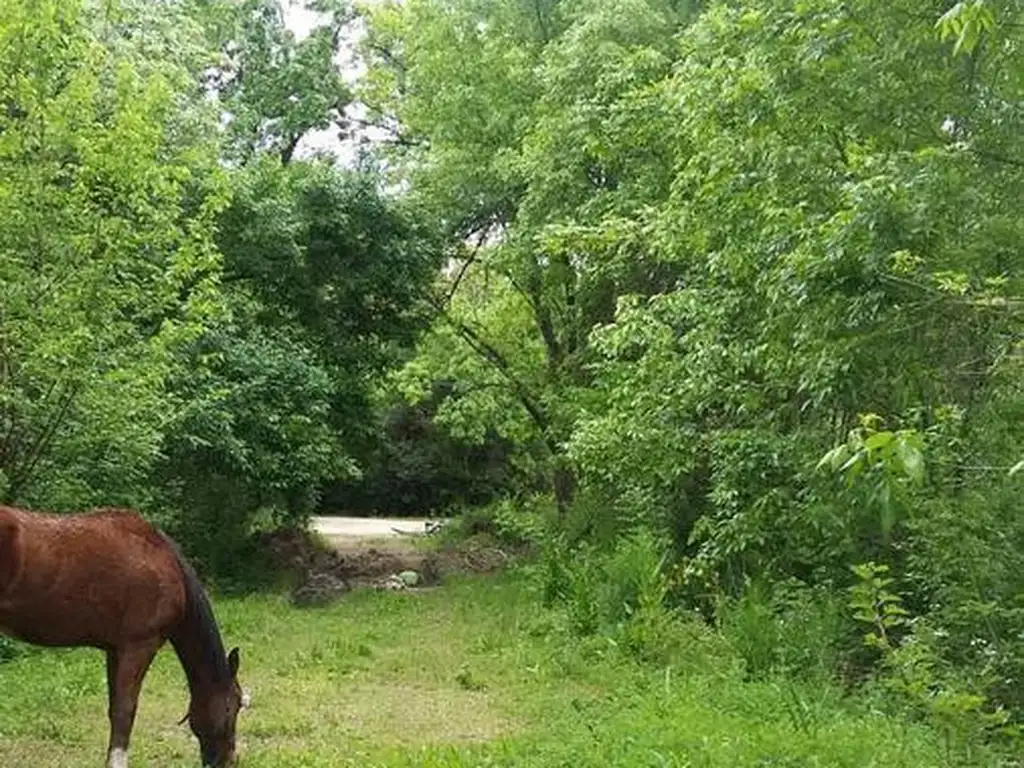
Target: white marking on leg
[(118, 758)]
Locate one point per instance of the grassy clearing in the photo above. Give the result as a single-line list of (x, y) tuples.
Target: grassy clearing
[(473, 674)]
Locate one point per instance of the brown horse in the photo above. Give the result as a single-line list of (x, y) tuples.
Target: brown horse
[(109, 580)]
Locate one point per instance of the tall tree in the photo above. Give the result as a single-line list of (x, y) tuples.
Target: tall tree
[(519, 144), (108, 194), (323, 277), (276, 88)]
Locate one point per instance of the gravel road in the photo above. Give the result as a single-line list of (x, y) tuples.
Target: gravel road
[(373, 527)]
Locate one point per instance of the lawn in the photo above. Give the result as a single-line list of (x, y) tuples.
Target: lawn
[(471, 674)]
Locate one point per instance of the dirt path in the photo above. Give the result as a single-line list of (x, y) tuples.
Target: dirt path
[(369, 548), (374, 552)]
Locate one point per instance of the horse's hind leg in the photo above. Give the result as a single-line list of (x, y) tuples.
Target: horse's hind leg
[(126, 667)]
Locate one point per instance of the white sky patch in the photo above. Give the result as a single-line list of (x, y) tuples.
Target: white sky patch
[(301, 21)]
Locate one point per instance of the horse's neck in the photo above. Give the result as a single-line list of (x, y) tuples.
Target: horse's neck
[(200, 653), (199, 674), (196, 638)]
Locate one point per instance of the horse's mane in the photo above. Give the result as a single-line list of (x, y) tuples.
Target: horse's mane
[(199, 617)]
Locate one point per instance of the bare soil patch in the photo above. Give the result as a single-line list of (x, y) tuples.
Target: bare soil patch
[(327, 571)]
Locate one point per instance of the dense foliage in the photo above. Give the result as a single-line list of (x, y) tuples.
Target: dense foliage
[(719, 305), (695, 251), (192, 319)]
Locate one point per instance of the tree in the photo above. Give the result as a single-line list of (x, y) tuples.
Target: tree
[(326, 252), (274, 87), (109, 194), (728, 235), (511, 149), (322, 285)]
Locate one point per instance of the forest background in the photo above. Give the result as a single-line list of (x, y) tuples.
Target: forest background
[(715, 307)]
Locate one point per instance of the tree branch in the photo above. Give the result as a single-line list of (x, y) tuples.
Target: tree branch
[(465, 266), (20, 477), (522, 392)]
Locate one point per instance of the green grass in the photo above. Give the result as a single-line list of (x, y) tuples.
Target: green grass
[(473, 674)]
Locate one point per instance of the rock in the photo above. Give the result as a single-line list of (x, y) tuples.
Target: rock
[(391, 583), (409, 578), (320, 588)]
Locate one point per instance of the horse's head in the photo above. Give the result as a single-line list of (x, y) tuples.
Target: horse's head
[(212, 716)]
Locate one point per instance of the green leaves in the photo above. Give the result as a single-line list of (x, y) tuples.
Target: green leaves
[(897, 452), (325, 248), (108, 205), (966, 21), (877, 607), (883, 461), (252, 431), (327, 282), (275, 87)]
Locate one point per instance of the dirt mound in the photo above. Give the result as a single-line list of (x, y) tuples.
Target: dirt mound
[(328, 572)]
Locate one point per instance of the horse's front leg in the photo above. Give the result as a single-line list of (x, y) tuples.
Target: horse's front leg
[(126, 667)]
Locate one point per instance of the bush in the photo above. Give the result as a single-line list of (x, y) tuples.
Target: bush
[(252, 436), (786, 628), (621, 593)]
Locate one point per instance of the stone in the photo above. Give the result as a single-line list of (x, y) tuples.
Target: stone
[(320, 588), (409, 578)]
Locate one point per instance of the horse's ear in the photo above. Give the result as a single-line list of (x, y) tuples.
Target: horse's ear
[(233, 661)]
